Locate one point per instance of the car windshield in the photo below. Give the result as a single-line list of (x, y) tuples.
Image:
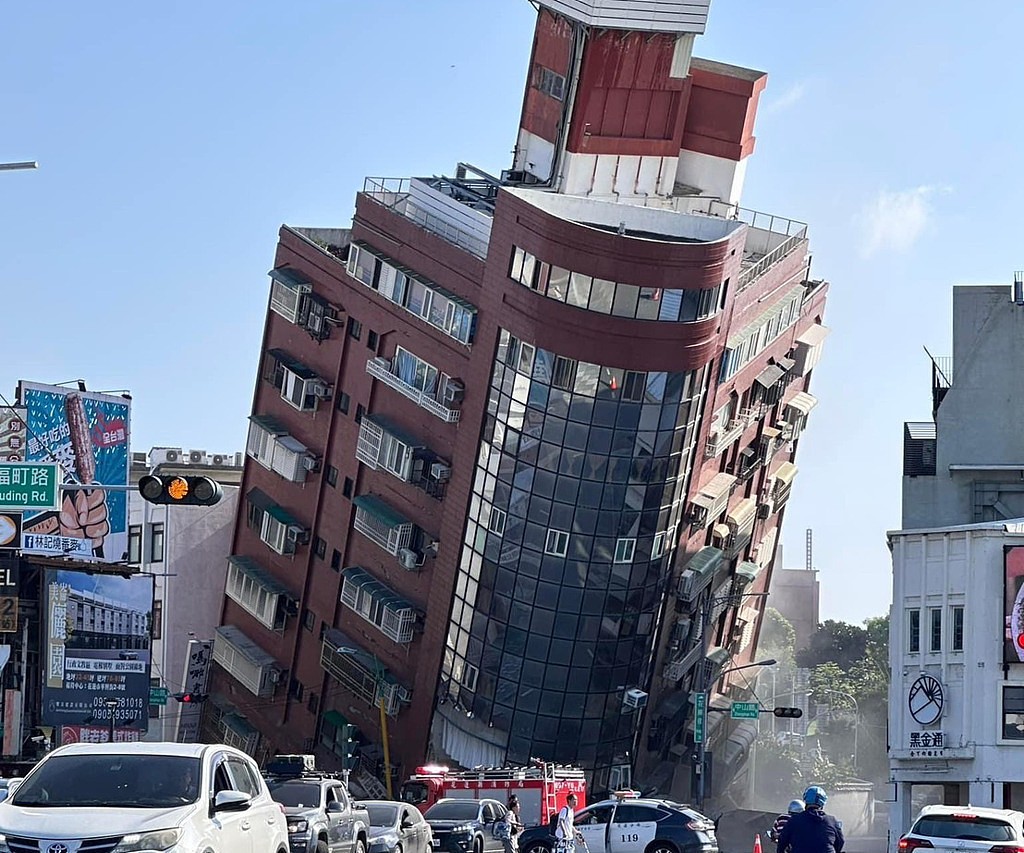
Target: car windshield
[(963, 827), (117, 781), (453, 811), (382, 815), (296, 794)]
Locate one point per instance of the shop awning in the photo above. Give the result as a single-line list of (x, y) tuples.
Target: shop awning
[(380, 510), (813, 336), (743, 513), (803, 403), (785, 473), (705, 561)]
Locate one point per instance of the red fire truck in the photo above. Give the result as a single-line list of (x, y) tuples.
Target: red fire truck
[(541, 787)]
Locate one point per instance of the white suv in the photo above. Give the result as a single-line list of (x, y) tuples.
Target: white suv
[(965, 829), (128, 797)]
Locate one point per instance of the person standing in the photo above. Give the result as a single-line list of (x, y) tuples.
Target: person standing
[(510, 826), (812, 831), (565, 828)]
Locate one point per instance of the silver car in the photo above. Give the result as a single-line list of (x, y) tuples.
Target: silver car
[(397, 827)]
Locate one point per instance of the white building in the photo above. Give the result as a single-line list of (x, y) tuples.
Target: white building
[(956, 710), (956, 713), (186, 549)]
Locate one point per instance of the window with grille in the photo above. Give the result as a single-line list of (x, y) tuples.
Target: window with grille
[(378, 605), (252, 597)]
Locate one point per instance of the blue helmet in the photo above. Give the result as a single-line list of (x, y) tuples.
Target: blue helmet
[(795, 806), (815, 797)]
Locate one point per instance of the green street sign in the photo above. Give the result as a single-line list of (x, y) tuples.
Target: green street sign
[(29, 486), (698, 720), (158, 695), (744, 711)]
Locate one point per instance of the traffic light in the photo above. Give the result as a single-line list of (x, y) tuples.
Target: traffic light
[(178, 489), (349, 745), (788, 712), (190, 698)]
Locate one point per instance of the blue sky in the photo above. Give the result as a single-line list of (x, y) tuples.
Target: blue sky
[(174, 141)]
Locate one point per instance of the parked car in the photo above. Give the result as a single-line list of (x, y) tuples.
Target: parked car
[(397, 827), (321, 816), (143, 796), (965, 829), (632, 825), (465, 826), (8, 786)]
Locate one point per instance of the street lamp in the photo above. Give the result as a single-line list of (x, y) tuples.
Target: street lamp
[(111, 704), (26, 164), (705, 684)]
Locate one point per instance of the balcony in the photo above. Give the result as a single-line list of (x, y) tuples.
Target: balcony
[(384, 446), (381, 368), (362, 673), (698, 573), (381, 524), (720, 440), (255, 669)]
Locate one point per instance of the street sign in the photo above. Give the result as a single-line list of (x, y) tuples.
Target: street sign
[(29, 486), (699, 717), (158, 695), (744, 711)]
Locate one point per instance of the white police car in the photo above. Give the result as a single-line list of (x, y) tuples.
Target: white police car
[(130, 797)]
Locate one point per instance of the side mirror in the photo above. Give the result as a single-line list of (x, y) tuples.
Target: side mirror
[(406, 823), (334, 807), (231, 801)]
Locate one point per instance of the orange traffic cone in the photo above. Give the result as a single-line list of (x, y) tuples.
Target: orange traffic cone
[(757, 843)]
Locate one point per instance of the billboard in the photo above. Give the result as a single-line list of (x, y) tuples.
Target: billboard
[(12, 434), (98, 630), (87, 435), (1013, 604)]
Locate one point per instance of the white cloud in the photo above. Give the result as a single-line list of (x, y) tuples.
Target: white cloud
[(895, 220), (787, 99)]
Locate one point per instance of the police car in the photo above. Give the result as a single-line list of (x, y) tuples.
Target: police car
[(627, 823)]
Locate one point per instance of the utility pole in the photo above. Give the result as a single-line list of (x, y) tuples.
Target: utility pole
[(25, 164)]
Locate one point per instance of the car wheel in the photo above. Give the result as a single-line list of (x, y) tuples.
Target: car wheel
[(478, 846), (360, 846), (321, 846), (661, 847), (536, 847)]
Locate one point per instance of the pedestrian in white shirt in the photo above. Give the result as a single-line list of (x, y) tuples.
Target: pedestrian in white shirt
[(565, 830)]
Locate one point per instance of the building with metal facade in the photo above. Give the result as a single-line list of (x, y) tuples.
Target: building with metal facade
[(512, 436)]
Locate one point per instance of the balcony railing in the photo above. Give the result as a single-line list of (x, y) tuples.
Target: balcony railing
[(719, 441), (682, 664), (380, 368), (756, 270)]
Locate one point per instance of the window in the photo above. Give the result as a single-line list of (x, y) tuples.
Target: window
[(935, 629), (564, 374), (658, 547), (633, 385), (346, 488), (320, 547), (287, 292), (496, 523), (332, 476), (156, 542), (624, 550), (956, 640), (296, 689), (1013, 713), (343, 401), (308, 620), (355, 328), (372, 339), (378, 447), (135, 543), (246, 586), (158, 619), (469, 676), (526, 356), (557, 543), (550, 83), (335, 559), (914, 631)]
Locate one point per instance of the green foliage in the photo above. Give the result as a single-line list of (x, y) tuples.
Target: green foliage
[(778, 637), (836, 642)]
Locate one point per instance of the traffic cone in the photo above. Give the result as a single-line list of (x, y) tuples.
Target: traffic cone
[(757, 843)]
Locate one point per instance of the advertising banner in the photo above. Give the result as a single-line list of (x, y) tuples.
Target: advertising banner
[(197, 674), (87, 435), (97, 734), (12, 722), (12, 434), (98, 631), (1013, 604)]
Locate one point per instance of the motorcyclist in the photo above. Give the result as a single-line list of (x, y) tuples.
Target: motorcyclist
[(794, 807), (812, 831)]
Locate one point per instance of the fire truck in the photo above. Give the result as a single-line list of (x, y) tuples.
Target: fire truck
[(541, 787)]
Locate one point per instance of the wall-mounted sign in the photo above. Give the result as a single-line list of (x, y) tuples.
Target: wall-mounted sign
[(925, 699), (927, 744)]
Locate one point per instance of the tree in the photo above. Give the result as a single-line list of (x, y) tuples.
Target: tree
[(778, 637), (834, 642)]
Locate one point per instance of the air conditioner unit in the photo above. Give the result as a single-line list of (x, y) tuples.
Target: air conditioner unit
[(320, 390), (765, 509), (197, 457), (298, 535), (409, 559), (440, 471), (454, 391), (635, 698), (311, 463), (161, 455), (223, 460)]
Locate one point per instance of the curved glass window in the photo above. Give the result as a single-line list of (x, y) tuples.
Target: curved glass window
[(618, 300)]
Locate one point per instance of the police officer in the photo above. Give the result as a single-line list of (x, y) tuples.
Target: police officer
[(812, 831)]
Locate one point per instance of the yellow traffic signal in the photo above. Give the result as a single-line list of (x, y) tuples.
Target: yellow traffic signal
[(178, 488)]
